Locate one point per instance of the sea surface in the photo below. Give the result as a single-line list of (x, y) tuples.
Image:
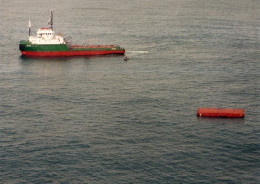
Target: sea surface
[(104, 120)]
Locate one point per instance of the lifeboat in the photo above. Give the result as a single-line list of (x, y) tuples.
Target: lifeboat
[(220, 113)]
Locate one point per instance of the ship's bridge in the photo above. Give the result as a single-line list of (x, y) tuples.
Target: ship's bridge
[(45, 33)]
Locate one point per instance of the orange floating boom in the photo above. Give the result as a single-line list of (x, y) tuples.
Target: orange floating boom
[(221, 113)]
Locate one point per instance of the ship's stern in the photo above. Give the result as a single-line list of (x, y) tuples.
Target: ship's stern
[(22, 45)]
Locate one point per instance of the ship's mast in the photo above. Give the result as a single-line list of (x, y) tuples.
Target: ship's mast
[(51, 20), (29, 25)]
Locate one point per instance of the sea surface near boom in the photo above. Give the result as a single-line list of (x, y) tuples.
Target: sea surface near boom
[(103, 120)]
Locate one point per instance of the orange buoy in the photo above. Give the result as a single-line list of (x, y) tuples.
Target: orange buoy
[(220, 113)]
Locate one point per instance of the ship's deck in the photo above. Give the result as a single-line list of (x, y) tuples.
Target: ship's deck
[(91, 46)]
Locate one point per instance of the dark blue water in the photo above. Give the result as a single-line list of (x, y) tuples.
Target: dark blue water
[(103, 120)]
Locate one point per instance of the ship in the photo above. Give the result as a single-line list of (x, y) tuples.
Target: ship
[(46, 43)]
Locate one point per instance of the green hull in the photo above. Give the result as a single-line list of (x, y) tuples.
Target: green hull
[(27, 46)]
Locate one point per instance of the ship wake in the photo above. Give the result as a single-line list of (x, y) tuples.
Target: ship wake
[(137, 52)]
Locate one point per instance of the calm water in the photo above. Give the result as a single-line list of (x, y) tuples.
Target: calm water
[(103, 120)]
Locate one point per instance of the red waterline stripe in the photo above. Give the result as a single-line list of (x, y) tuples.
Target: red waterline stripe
[(71, 53)]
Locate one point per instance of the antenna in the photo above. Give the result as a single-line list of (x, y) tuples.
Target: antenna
[(51, 20)]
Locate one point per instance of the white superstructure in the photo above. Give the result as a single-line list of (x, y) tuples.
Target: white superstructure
[(46, 36)]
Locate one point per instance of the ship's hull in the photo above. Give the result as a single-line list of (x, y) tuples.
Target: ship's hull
[(63, 50), (68, 53)]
